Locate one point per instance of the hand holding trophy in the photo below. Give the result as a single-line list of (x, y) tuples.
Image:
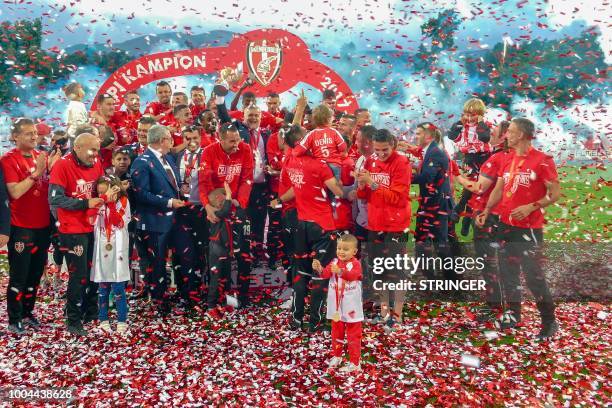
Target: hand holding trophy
[(228, 77)]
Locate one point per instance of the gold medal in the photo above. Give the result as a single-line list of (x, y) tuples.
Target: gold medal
[(36, 193), (509, 194), (109, 247), (336, 316)]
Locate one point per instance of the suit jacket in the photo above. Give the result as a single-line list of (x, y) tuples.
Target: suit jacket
[(152, 189), (5, 211), (243, 129), (433, 181)]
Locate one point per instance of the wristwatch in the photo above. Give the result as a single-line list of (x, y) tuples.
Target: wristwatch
[(374, 186)]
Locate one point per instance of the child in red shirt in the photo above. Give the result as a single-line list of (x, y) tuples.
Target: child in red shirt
[(344, 302)]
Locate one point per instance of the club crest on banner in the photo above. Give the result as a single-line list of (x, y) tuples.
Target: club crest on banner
[(264, 61), (19, 247)]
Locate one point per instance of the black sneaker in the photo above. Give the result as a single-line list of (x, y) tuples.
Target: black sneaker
[(486, 315), (76, 330), (89, 319), (312, 328), (32, 322), (295, 325), (16, 328), (548, 330)]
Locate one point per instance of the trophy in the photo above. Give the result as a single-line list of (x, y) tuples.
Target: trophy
[(228, 77)]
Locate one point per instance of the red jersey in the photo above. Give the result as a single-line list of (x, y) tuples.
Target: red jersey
[(196, 110), (344, 208), (206, 139), (388, 205), (324, 143), (78, 182), (31, 210), (353, 152), (284, 183), (489, 169), (308, 176), (525, 179), (157, 108), (275, 159), (125, 126), (217, 167)]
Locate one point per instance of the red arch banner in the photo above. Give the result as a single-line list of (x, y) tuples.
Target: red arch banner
[(276, 59)]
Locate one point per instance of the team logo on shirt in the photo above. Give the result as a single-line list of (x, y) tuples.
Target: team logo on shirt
[(521, 179), (78, 250), (381, 178), (264, 61), (19, 247)]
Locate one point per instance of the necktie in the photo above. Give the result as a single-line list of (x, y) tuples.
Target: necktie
[(170, 173)]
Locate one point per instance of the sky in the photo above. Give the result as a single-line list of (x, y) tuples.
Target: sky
[(327, 25)]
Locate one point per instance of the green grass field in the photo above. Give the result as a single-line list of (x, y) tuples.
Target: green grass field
[(583, 214)]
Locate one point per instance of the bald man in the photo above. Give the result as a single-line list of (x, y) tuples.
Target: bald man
[(71, 194)]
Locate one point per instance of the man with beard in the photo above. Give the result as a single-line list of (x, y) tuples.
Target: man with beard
[(182, 118), (71, 194), (208, 127), (230, 160), (384, 182), (485, 236), (126, 122), (435, 202), (198, 101), (346, 126), (25, 171), (527, 182), (161, 109)]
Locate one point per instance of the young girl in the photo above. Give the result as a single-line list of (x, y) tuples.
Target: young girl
[(111, 258), (344, 302), (77, 112)]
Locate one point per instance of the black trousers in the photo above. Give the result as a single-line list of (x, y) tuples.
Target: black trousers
[(257, 212), (484, 239), (432, 234), (220, 273), (82, 294), (274, 242), (154, 247), (289, 223), (58, 254), (242, 233), (311, 242), (27, 256), (522, 250)]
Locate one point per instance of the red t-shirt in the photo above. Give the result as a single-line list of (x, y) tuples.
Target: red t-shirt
[(489, 169), (196, 110), (268, 121), (216, 167), (324, 143), (157, 108), (78, 182), (389, 205), (206, 139), (353, 152), (31, 210), (308, 176), (525, 179), (284, 183), (125, 126), (275, 159), (344, 208)]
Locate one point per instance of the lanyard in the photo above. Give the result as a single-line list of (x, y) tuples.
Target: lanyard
[(340, 295), (190, 165)]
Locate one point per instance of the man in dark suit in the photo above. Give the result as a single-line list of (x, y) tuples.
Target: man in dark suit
[(157, 195), (435, 201), (257, 138)]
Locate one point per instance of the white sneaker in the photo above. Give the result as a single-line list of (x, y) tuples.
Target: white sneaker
[(350, 368), (105, 326), (287, 303), (335, 362), (122, 327)]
